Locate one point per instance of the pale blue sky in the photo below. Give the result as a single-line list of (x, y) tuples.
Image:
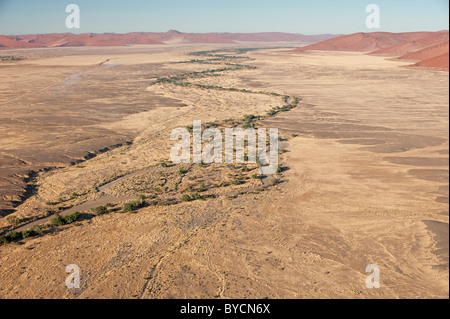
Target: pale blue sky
[(295, 16)]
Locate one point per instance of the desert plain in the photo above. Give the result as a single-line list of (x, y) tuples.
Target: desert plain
[(363, 174)]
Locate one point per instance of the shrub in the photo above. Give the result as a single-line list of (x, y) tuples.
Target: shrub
[(128, 207), (235, 182), (48, 212), (186, 198), (255, 176), (163, 164), (248, 118), (60, 200), (37, 230), (182, 171), (211, 124), (12, 235), (131, 206), (69, 219), (196, 196), (11, 58), (100, 210), (57, 221), (13, 220), (3, 240), (26, 233)]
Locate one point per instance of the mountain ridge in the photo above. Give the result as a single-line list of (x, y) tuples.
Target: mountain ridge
[(132, 38)]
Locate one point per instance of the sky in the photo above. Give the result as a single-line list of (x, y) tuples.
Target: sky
[(293, 16)]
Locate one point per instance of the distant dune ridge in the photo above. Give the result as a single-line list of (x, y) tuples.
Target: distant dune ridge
[(172, 36), (429, 49)]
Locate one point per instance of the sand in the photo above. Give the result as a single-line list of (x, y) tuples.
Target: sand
[(357, 188), (428, 49)]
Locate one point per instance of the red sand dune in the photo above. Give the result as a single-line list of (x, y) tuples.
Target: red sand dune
[(172, 36), (43, 39), (438, 62), (365, 42), (427, 53), (103, 40), (84, 40), (430, 49), (410, 46), (14, 42)]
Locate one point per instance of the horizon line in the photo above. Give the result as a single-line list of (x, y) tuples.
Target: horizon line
[(219, 32)]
